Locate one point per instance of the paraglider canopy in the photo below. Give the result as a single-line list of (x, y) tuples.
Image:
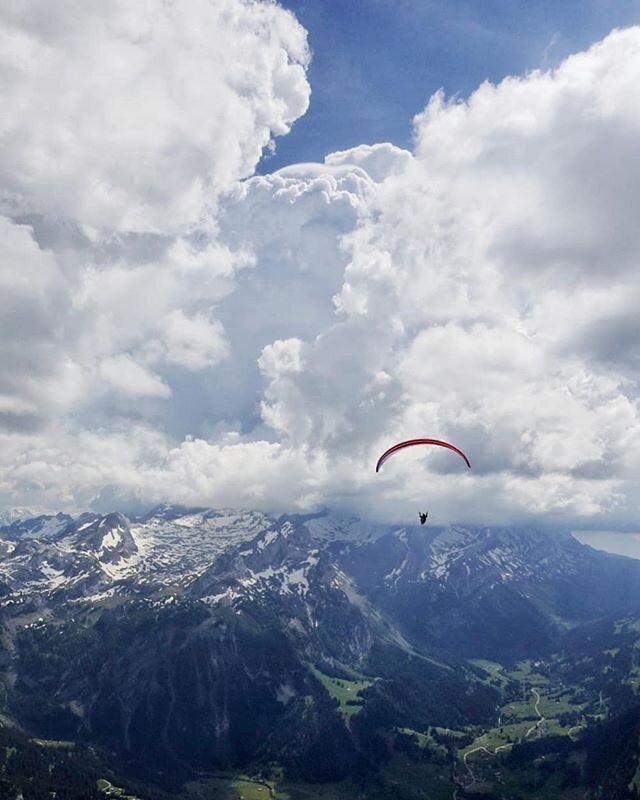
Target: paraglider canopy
[(412, 442)]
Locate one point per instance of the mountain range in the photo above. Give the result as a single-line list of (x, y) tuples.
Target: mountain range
[(319, 648)]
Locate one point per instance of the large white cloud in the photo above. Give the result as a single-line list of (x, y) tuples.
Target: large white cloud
[(130, 116), (483, 287), (134, 465), (36, 378), (121, 126), (490, 298)]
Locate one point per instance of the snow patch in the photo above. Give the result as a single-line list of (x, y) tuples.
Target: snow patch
[(271, 536), (111, 540)]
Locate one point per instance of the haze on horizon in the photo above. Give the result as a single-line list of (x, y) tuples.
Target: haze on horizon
[(178, 324)]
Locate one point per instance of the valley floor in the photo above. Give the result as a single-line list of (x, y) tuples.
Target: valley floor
[(541, 711)]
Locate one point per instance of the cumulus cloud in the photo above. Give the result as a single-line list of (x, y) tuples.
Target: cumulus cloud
[(193, 342), (379, 161), (203, 337), (35, 377), (135, 465), (131, 117), (493, 284), (292, 224), (123, 374), (281, 358), (121, 128)]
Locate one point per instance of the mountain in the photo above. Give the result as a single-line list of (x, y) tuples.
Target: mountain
[(83, 557), (469, 592), (492, 592), (483, 588), (190, 640)]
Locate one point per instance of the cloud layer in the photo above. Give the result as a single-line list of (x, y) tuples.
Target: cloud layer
[(174, 329)]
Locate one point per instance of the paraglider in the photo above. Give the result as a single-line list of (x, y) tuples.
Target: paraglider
[(412, 442)]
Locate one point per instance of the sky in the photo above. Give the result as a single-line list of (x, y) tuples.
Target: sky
[(376, 62), (246, 247), (622, 544)]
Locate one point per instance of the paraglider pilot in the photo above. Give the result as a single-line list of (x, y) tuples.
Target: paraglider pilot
[(423, 517)]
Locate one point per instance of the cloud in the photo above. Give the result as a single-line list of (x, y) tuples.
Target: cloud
[(292, 224), (477, 286), (193, 342), (136, 465), (379, 161), (281, 358), (123, 374), (36, 379), (121, 128), (132, 118), (204, 337)]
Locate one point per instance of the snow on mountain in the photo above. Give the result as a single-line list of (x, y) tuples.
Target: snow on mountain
[(280, 559), (87, 554), (452, 554), (43, 527), (333, 527), (17, 513), (175, 543), (438, 586)]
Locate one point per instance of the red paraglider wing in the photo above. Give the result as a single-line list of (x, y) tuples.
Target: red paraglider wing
[(412, 442)]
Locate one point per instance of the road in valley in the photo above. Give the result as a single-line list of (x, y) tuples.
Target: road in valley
[(541, 718), (472, 777)]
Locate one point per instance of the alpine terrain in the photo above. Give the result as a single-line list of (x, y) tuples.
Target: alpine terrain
[(199, 653)]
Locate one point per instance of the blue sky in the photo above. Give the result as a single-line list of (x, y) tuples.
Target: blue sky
[(377, 62)]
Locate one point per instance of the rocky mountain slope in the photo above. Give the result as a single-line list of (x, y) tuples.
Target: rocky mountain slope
[(195, 639)]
